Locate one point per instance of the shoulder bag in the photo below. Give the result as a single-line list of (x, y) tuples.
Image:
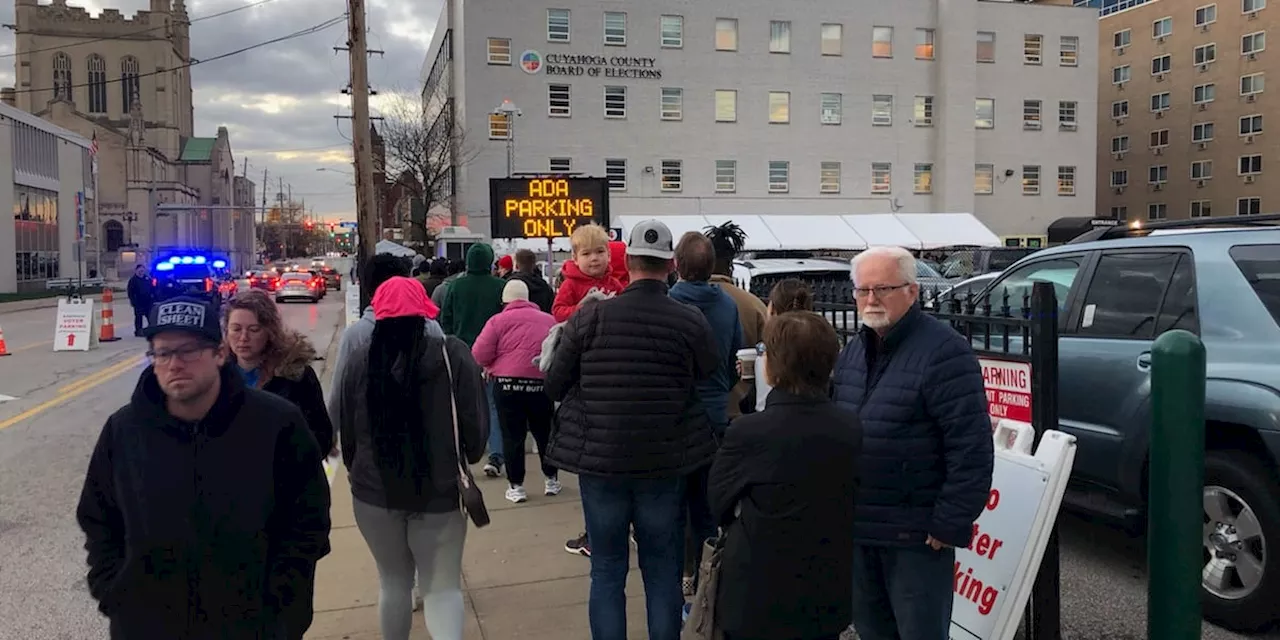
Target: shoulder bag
[(701, 624), (472, 498)]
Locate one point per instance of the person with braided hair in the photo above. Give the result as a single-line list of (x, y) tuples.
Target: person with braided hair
[(728, 240)]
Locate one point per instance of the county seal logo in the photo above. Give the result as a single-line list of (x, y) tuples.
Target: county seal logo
[(531, 61)]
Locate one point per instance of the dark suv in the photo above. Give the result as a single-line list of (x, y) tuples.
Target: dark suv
[(172, 280), (1117, 290)]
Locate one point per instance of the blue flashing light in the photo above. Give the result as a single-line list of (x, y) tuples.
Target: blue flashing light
[(200, 259), (175, 260), (219, 264), (164, 266), (188, 260)]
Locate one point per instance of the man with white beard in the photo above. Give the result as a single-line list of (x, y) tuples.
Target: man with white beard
[(927, 453)]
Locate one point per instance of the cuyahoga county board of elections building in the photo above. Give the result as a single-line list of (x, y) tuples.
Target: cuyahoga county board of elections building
[(760, 107)]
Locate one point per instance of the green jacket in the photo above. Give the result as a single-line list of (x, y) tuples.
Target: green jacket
[(473, 298)]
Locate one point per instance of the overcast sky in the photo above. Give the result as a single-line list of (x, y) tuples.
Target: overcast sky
[(278, 101)]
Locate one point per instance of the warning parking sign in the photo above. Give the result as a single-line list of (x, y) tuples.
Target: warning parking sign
[(1008, 387)]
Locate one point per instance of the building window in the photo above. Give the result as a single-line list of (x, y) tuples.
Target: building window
[(615, 28), (97, 84), (1162, 28), (672, 103), (615, 102), (726, 176), (922, 179), (559, 101), (1202, 132), (1206, 15), (832, 39), (1160, 102), (1205, 53), (1161, 64), (1069, 51), (779, 36), (1201, 208), (1157, 211), (615, 170), (671, 175), (1202, 170), (1030, 179), (1248, 206), (35, 214), (560, 165), (1251, 125), (62, 76), (1121, 39), (726, 105), (984, 179), (924, 44), (1120, 109), (1158, 174), (1032, 49), (881, 177), (499, 127), (924, 111), (1120, 178), (726, 34), (1067, 114), (672, 32), (1253, 43), (1120, 74), (881, 42), (986, 46), (499, 51), (1159, 138), (557, 25), (1249, 6), (779, 176), (832, 108), (984, 113), (881, 110), (1119, 144), (779, 107), (1250, 165), (1066, 181), (829, 177), (1120, 213), (1251, 84), (1031, 114), (1203, 93)]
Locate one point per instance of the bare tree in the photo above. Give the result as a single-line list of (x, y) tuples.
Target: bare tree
[(423, 149)]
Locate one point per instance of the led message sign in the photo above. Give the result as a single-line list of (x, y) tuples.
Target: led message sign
[(546, 207)]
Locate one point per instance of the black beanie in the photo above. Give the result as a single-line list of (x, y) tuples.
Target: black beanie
[(381, 268)]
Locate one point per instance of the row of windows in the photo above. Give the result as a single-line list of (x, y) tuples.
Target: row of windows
[(1249, 166), (1201, 132), (1201, 95), (96, 67), (35, 216), (1246, 206), (831, 109), (1204, 16), (1202, 56)]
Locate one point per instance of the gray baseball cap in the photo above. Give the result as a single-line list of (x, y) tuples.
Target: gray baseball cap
[(651, 238)]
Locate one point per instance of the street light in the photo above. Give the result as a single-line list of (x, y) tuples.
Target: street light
[(345, 173), (509, 110)]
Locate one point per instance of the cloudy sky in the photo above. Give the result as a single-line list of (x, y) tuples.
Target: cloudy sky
[(278, 101)]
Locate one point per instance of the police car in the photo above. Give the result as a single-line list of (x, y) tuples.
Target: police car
[(187, 275)]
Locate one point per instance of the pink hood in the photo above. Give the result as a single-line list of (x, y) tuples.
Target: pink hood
[(512, 339)]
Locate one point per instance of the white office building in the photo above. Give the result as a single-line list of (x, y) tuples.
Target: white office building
[(759, 107)]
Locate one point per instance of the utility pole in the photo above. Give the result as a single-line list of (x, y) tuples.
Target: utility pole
[(366, 197)]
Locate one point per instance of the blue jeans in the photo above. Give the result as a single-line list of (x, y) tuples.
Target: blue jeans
[(702, 524), (656, 508), (495, 427), (902, 593)]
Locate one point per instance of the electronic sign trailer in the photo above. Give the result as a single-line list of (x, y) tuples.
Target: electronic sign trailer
[(546, 207)]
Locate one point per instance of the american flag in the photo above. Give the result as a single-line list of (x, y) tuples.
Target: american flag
[(93, 146)]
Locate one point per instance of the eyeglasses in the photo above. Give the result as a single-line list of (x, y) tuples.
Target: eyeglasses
[(188, 353), (880, 291)]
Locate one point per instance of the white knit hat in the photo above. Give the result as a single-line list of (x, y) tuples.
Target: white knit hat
[(515, 290)]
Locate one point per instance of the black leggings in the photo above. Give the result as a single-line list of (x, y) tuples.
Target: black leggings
[(523, 408)]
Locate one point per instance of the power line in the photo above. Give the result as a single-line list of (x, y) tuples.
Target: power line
[(139, 32), (297, 34)]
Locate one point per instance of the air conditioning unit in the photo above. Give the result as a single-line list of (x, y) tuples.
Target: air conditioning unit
[(1204, 145), (1248, 179), (1119, 121), (1120, 51), (1248, 139), (1159, 114), (1204, 28), (1119, 155), (1119, 190), (1251, 98), (1159, 151), (1200, 184), (1159, 77), (1202, 106), (1253, 15), (1160, 40), (1159, 186), (1253, 57), (1203, 68)]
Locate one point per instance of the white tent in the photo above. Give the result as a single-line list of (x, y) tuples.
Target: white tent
[(387, 246), (948, 230), (883, 230), (837, 232), (814, 232)]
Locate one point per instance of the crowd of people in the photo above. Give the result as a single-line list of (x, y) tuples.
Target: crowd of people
[(836, 481)]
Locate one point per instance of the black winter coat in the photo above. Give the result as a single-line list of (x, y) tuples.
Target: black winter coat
[(296, 381), (927, 453), (624, 372), (540, 292), (205, 530), (140, 292), (787, 568)]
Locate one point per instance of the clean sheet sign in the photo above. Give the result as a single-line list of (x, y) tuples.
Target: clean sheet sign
[(74, 328), (1008, 387)]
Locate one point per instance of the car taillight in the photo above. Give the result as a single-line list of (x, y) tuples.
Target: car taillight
[(155, 282), (208, 284)]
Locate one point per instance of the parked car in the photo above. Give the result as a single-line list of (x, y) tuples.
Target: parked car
[(1117, 291), (298, 286), (963, 291), (967, 263)]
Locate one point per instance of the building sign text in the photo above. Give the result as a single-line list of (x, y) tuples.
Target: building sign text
[(572, 64)]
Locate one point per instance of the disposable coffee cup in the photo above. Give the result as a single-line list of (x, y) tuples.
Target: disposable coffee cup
[(748, 359)]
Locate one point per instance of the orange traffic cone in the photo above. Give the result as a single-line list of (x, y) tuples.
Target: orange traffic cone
[(108, 327), (4, 351)]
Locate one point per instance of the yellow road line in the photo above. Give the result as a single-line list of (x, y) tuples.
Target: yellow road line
[(93, 381), (71, 386), (32, 346)]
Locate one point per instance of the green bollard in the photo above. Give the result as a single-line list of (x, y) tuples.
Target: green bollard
[(1176, 502)]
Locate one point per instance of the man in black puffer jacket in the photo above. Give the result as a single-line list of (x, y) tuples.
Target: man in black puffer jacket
[(630, 425)]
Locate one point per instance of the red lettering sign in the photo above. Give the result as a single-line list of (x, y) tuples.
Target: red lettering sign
[(1008, 386)]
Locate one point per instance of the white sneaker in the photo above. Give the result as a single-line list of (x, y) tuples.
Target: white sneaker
[(516, 494), (552, 486)]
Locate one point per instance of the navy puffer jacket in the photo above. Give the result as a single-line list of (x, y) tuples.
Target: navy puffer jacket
[(927, 453)]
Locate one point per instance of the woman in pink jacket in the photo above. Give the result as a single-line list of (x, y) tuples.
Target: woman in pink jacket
[(506, 348)]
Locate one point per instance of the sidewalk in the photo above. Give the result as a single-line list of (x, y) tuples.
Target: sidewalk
[(517, 579)]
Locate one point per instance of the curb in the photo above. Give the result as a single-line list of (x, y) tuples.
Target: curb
[(46, 303)]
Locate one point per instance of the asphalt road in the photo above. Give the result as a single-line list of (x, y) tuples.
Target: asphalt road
[(47, 431)]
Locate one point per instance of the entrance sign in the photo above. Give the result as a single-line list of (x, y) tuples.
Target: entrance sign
[(1008, 385), (74, 326), (994, 575), (546, 207)]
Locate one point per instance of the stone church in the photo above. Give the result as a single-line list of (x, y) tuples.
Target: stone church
[(125, 80)]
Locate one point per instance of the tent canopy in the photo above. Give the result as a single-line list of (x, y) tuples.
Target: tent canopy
[(387, 246), (837, 232)]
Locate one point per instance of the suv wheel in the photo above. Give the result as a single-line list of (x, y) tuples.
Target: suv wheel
[(1240, 582)]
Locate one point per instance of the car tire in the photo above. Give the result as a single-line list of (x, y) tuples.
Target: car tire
[(1251, 483)]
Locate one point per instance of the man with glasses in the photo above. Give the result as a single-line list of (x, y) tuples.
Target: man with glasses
[(205, 506), (927, 453)]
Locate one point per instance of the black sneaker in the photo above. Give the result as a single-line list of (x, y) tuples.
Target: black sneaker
[(493, 468), (579, 545)]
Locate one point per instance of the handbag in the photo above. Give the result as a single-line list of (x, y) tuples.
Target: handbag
[(472, 498), (701, 624)]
